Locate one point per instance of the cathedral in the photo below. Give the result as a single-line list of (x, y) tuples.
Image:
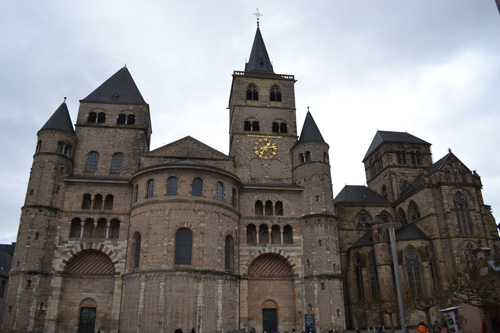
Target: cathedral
[(116, 237)]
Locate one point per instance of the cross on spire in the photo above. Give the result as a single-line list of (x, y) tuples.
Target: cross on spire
[(258, 15)]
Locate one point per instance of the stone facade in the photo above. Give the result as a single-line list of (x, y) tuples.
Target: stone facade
[(117, 237)]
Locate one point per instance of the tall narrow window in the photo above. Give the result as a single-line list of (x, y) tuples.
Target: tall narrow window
[(279, 208), (136, 247), (92, 161), (401, 156), (255, 126), (358, 269), (283, 128), (122, 119), (252, 92), (39, 146), (136, 193), (88, 228), (275, 127), (100, 231), (172, 186), (275, 94), (259, 209), (117, 162), (413, 271), (228, 252), (275, 234), (269, 208), (66, 149), (130, 119), (263, 234), (402, 216), (251, 234), (197, 187), (183, 246), (108, 202), (308, 156), (92, 117), (413, 211), (233, 197), (247, 126), (219, 191), (59, 147), (462, 214), (76, 228), (151, 189), (287, 235), (373, 275), (87, 201), (114, 231), (97, 202), (326, 158)]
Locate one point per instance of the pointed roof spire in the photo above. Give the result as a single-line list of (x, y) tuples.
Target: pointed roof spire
[(259, 59), (310, 131), (119, 88), (60, 120)]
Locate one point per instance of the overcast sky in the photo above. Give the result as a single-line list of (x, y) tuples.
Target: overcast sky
[(428, 67)]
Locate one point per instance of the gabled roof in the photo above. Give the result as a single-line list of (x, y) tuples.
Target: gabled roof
[(60, 120), (5, 264), (365, 240), (259, 59), (393, 137), (310, 131), (188, 148), (359, 194), (410, 232), (119, 88)]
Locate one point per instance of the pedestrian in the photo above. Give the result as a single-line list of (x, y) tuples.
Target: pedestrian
[(422, 328), (358, 330), (436, 328), (380, 330)]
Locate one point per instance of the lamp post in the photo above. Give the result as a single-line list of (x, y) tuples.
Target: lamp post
[(377, 220)]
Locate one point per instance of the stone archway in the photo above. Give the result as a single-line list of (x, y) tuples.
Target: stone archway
[(270, 282)]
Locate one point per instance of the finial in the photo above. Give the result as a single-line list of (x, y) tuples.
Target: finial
[(449, 150), (258, 15), (125, 65), (307, 109), (64, 100)]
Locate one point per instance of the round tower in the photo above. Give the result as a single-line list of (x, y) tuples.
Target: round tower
[(40, 218)]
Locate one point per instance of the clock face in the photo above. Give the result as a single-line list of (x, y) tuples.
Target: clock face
[(265, 148)]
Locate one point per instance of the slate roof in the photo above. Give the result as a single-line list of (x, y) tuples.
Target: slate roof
[(119, 88), (5, 264), (8, 248), (310, 131), (60, 120), (359, 194), (410, 232), (365, 240), (259, 59), (394, 137)]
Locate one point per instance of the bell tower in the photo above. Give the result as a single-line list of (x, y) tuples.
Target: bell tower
[(262, 121)]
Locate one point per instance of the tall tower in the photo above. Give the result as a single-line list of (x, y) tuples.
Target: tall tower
[(262, 121), (41, 216)]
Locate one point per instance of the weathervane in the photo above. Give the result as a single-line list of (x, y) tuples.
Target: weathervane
[(258, 15)]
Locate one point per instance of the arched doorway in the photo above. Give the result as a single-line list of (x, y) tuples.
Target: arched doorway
[(86, 323), (271, 294)]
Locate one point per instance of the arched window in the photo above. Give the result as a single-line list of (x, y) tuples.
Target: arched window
[(100, 231), (136, 249), (117, 162), (228, 252), (275, 127), (197, 187), (413, 271), (59, 149), (469, 258), (275, 234), (247, 126), (76, 228), (385, 216), (136, 193), (259, 209), (108, 202), (275, 94), (130, 119), (251, 234), (413, 211), (122, 119), (150, 192), (283, 128), (326, 158), (87, 201), (92, 117), (402, 216), (269, 208), (462, 214), (430, 260), (373, 275), (252, 92), (279, 208), (401, 156), (263, 234), (172, 186), (255, 126), (301, 158), (66, 149), (219, 191), (308, 156), (92, 161), (183, 246), (114, 227), (384, 191), (362, 220), (38, 146), (287, 235), (358, 270), (101, 118), (88, 228), (97, 202)]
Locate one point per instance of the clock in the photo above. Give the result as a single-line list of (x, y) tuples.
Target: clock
[(265, 148)]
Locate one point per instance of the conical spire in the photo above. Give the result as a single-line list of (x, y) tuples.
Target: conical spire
[(60, 120), (259, 59), (119, 88), (310, 131)]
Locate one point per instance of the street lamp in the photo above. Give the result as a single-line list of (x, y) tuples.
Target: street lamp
[(381, 223)]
